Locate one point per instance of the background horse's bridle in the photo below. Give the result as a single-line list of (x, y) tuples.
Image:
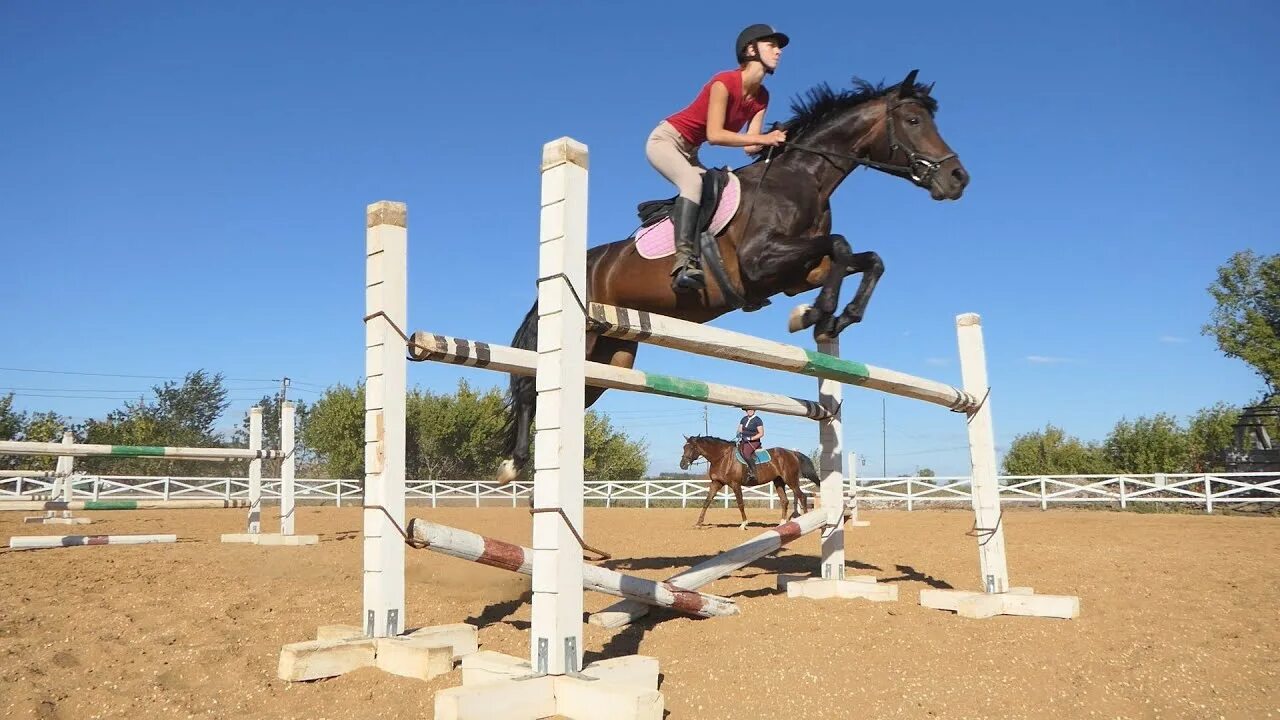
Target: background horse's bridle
[(920, 167)]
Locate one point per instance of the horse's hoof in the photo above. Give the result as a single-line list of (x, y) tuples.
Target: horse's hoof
[(799, 319), (743, 526), (507, 472)]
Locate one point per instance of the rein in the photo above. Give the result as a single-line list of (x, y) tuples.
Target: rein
[(920, 167)]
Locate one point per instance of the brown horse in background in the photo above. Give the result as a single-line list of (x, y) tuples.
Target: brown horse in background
[(780, 240), (784, 469)]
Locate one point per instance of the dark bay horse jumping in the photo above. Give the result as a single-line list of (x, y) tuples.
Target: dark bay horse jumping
[(784, 469), (780, 239)]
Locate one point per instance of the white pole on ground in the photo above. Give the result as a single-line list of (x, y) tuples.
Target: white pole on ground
[(984, 492), (556, 642), (831, 472), (386, 291), (287, 467), (255, 471)]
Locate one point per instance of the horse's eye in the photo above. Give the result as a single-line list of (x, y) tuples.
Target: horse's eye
[(913, 120)]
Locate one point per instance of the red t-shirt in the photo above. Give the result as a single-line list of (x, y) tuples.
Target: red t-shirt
[(691, 122)]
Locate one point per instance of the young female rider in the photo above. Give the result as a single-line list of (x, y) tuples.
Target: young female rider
[(727, 102)]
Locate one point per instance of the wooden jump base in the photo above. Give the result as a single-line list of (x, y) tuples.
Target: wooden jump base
[(16, 447), (456, 351), (515, 558), (53, 541)]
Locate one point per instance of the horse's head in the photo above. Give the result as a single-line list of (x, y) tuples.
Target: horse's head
[(889, 129), (691, 452), (912, 145)]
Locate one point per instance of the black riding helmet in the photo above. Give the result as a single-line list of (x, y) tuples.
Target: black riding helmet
[(756, 33)]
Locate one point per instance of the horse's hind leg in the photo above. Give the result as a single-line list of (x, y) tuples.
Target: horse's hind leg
[(781, 489)]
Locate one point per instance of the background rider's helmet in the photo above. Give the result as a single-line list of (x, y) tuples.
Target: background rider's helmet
[(756, 33)]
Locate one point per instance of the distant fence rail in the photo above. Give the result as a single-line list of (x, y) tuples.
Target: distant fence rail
[(1122, 491)]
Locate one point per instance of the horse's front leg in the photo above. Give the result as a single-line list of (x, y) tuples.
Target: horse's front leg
[(871, 267), (712, 491), (821, 316)]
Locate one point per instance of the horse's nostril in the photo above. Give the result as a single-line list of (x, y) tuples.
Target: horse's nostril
[(960, 176)]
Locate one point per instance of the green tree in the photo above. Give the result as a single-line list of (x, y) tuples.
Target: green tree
[(11, 421), (1246, 321), (334, 432), (1148, 445), (181, 414), (1052, 452), (456, 436), (1209, 435), (451, 437), (610, 455)]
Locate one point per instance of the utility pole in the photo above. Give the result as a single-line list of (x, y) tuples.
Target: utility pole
[(284, 395), (706, 420)]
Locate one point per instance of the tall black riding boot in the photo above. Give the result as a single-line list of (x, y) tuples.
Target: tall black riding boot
[(687, 272), (750, 459)]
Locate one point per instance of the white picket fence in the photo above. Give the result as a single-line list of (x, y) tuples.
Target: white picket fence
[(1121, 491)]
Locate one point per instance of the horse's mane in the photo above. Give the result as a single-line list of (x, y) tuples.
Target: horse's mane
[(820, 103), (711, 438)]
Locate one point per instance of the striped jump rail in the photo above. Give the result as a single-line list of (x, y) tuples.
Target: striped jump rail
[(16, 447), (767, 542), (30, 542), (692, 337), (122, 504), (457, 351), (515, 558)]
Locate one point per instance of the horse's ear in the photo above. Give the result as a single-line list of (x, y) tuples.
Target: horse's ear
[(908, 87), (928, 89)]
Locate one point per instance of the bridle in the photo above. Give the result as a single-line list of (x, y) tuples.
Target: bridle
[(920, 167)]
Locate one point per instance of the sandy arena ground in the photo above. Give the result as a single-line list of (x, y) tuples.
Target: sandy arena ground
[(1179, 619)]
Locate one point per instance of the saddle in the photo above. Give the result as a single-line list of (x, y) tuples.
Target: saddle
[(721, 197), (762, 456)]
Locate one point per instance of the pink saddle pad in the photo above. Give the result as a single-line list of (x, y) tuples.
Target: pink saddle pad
[(658, 241)]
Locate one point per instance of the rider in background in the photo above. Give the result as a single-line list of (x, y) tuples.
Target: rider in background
[(750, 438), (727, 102)]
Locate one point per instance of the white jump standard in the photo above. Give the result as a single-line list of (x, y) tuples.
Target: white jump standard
[(67, 450), (254, 534)]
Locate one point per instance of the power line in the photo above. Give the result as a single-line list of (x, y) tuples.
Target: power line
[(120, 375)]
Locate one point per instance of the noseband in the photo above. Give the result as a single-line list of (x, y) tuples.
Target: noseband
[(920, 167)]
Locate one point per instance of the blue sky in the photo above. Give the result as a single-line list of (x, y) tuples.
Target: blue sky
[(183, 186)]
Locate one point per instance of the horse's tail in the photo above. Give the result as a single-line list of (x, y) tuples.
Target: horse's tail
[(807, 469), (521, 398)]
